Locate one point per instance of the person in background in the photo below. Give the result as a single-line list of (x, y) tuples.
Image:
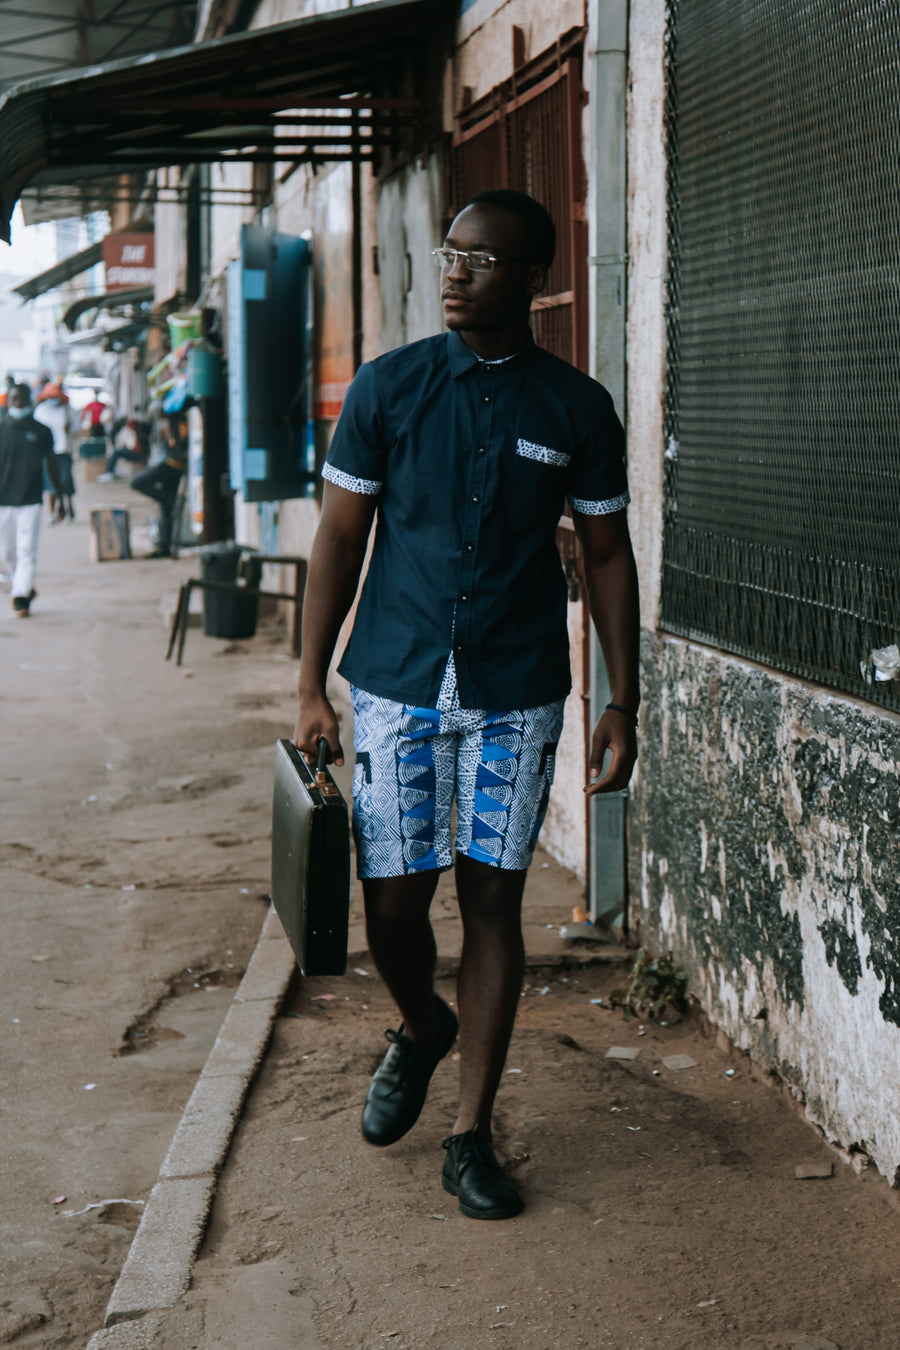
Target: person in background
[(26, 453), (94, 417), (55, 412), (128, 444), (5, 392), (161, 480)]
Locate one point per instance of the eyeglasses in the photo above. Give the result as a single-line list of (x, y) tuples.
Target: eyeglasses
[(475, 262)]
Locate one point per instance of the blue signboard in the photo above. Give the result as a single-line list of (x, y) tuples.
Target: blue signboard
[(268, 394)]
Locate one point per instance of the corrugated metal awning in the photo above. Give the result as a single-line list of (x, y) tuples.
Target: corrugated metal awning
[(63, 271), (318, 89), (47, 38), (111, 300)]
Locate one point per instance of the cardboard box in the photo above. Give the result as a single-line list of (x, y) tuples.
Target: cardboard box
[(92, 469), (92, 453), (110, 539)]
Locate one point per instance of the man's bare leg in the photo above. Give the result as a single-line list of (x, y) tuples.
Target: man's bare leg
[(402, 944), (403, 948), (490, 983)]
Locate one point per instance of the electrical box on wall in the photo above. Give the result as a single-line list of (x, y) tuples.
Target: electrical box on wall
[(268, 363)]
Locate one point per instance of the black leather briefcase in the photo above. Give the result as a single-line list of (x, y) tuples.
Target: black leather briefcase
[(311, 861)]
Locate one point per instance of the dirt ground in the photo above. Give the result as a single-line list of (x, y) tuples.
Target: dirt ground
[(134, 849), (662, 1208)]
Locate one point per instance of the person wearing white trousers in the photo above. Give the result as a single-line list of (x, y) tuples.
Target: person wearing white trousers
[(25, 448), (19, 530)]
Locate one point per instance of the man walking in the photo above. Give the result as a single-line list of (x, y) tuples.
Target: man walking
[(54, 411), (466, 445), (26, 449)]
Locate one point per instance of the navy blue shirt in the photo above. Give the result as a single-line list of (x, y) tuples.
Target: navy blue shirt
[(471, 464), (24, 445)]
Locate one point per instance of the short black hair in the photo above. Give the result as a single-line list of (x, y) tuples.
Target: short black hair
[(537, 219)]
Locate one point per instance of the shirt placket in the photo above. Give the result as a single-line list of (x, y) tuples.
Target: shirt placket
[(463, 626)]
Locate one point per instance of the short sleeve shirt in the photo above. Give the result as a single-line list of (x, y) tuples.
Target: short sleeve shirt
[(471, 463), (24, 444)]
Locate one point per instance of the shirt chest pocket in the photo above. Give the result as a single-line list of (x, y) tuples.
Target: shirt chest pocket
[(542, 454), (535, 478)]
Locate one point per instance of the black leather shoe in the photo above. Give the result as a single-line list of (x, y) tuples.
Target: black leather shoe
[(397, 1092), (472, 1172)]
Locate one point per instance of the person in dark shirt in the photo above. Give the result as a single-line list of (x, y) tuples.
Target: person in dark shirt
[(26, 449), (161, 480), (466, 446)]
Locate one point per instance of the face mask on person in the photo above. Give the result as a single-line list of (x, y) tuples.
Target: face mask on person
[(18, 413)]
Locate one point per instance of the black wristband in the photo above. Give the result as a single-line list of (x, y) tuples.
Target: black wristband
[(626, 712)]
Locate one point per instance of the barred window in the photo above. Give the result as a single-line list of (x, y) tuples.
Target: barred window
[(782, 468), (526, 134)]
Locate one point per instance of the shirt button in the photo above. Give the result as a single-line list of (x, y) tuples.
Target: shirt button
[(485, 398), (480, 450), (476, 499), (464, 599), (470, 548), (459, 646)]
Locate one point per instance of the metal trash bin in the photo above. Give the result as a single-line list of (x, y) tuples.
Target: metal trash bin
[(229, 614)]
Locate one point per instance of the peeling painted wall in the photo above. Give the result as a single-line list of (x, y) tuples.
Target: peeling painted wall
[(564, 835), (765, 851), (764, 826), (483, 55)]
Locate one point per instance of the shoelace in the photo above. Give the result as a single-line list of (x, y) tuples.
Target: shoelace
[(472, 1147)]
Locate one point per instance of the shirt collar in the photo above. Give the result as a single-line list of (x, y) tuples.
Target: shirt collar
[(462, 358)]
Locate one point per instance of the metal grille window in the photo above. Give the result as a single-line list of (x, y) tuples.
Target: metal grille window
[(782, 468), (526, 134)]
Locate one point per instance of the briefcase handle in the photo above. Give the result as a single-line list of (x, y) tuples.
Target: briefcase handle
[(323, 781)]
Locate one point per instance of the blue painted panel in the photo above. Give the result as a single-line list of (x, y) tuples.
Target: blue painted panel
[(254, 283), (256, 463), (267, 321), (237, 377)]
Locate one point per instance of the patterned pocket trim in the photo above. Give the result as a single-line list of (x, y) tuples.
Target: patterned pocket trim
[(543, 454)]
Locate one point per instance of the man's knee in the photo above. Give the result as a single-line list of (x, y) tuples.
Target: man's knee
[(399, 900), (489, 896)]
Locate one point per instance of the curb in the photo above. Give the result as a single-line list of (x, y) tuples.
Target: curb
[(157, 1269)]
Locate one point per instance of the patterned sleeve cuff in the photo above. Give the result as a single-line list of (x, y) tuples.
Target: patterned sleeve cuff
[(367, 486), (605, 508)]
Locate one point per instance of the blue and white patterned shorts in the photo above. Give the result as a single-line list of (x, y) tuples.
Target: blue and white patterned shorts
[(411, 762)]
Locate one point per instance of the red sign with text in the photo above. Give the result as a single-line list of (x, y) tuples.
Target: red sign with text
[(129, 260)]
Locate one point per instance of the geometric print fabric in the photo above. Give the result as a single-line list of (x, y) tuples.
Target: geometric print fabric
[(412, 762)]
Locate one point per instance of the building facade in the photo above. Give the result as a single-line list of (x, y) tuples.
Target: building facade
[(723, 180)]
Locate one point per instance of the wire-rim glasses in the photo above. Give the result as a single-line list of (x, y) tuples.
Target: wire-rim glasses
[(475, 261)]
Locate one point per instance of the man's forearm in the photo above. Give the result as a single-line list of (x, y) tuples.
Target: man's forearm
[(612, 588), (334, 568)]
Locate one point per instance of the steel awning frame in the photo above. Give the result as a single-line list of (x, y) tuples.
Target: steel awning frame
[(132, 115), (136, 295), (46, 38), (63, 271)]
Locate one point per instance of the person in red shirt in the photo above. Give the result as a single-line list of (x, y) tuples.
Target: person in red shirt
[(95, 415)]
